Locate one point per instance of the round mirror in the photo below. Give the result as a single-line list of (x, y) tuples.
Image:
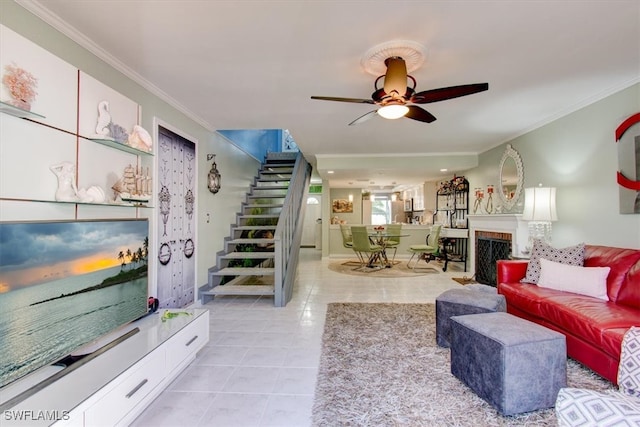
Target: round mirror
[(511, 178)]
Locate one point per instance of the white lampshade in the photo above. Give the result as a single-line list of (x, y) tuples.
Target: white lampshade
[(539, 204), (393, 111)]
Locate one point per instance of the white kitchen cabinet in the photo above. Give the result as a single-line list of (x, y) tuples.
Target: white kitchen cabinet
[(418, 198)]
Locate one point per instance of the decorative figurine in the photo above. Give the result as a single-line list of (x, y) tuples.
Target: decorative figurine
[(104, 120), (140, 139), (67, 190), (21, 85)]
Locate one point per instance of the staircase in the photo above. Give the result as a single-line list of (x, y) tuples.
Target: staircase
[(247, 265)]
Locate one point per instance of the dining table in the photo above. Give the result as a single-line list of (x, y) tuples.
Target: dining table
[(381, 238)]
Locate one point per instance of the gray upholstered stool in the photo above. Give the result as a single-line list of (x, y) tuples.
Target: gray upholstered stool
[(456, 302), (515, 365)]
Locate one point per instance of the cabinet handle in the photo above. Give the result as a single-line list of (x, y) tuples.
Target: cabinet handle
[(191, 341), (136, 388)]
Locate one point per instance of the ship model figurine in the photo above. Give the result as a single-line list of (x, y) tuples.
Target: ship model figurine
[(134, 186)]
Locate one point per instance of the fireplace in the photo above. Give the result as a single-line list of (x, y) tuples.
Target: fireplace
[(490, 246), (509, 227)]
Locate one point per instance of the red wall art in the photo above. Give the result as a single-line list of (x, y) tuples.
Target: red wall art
[(628, 176)]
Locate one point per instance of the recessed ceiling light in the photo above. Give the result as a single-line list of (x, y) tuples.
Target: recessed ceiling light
[(329, 171), (443, 170)]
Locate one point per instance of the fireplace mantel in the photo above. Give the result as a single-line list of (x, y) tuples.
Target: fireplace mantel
[(502, 223)]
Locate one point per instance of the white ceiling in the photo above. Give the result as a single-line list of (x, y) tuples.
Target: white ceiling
[(255, 64)]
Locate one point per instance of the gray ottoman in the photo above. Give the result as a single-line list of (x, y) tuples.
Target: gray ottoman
[(515, 365), (456, 302)]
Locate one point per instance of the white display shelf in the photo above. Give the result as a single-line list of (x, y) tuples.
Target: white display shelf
[(118, 146), (125, 205), (19, 112)]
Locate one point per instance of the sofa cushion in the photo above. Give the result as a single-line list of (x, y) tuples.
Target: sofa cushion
[(590, 281), (624, 278), (629, 294), (587, 317), (526, 297), (573, 255)]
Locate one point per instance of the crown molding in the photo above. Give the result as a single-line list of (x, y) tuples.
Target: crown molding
[(39, 10)]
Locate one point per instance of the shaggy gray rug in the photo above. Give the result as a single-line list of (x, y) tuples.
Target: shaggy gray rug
[(380, 366)]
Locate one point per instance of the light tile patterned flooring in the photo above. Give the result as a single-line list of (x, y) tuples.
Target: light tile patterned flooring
[(259, 367)]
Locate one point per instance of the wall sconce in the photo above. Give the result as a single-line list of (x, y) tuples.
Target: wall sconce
[(539, 210), (213, 178), (351, 198), (394, 197)]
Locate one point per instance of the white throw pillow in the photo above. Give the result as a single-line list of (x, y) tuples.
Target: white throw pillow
[(590, 281)]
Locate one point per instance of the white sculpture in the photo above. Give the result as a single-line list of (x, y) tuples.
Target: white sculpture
[(66, 173), (104, 119), (93, 194), (140, 139)]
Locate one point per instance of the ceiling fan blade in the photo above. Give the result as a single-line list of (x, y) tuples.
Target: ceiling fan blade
[(396, 77), (443, 93), (355, 100), (419, 114), (364, 118)]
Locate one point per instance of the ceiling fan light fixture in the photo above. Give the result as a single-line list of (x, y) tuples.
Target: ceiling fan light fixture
[(393, 112)]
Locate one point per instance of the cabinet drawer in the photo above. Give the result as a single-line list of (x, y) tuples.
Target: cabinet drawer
[(121, 399), (187, 342)]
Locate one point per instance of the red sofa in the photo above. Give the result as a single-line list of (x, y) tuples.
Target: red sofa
[(594, 328)]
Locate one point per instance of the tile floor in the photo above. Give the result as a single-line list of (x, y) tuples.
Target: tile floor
[(259, 367)]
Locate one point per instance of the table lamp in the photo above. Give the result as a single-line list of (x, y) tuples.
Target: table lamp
[(539, 210)]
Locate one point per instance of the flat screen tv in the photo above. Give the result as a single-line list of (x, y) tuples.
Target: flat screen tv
[(64, 284)]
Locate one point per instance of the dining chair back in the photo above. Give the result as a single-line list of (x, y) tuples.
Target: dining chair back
[(429, 250), (363, 246), (393, 242), (347, 239)]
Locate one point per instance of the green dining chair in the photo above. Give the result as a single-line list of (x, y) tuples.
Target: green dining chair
[(347, 242), (367, 252), (393, 242), (428, 251)]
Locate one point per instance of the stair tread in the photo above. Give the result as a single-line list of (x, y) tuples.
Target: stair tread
[(244, 271), (251, 241), (273, 179), (255, 227), (266, 196), (259, 205), (241, 290), (271, 187), (260, 216), (247, 255)]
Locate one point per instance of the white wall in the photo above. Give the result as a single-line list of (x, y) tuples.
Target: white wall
[(214, 212), (578, 155)]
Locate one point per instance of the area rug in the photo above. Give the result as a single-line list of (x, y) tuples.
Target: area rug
[(399, 269), (380, 366)]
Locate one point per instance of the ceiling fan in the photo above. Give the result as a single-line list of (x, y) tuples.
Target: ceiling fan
[(396, 99)]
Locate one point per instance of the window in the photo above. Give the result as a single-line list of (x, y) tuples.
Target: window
[(381, 210)]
